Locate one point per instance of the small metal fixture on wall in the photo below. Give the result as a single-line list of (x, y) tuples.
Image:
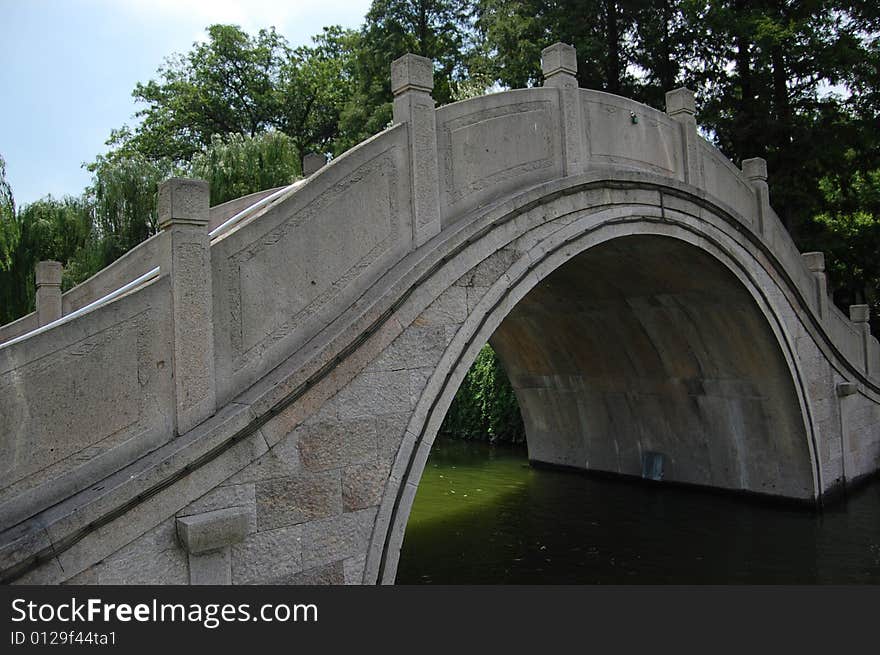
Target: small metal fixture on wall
[(652, 466)]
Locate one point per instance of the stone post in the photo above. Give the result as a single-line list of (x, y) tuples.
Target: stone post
[(860, 315), (816, 263), (48, 280), (845, 390), (312, 163), (183, 215), (559, 66), (681, 107), (412, 80), (755, 170), (207, 538)]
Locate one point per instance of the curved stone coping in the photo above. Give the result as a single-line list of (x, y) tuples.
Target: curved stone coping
[(377, 316), (134, 263), (19, 326), (137, 261), (266, 200), (218, 214), (95, 304)]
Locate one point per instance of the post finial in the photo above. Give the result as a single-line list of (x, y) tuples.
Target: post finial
[(183, 201), (412, 73), (680, 101), (559, 65), (815, 261), (755, 168), (859, 313)]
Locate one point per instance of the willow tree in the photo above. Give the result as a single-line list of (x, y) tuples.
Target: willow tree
[(237, 165)]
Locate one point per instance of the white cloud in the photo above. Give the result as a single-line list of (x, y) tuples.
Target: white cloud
[(296, 19)]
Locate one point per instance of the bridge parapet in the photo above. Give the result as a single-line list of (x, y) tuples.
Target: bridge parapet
[(275, 303), (318, 248), (83, 398)]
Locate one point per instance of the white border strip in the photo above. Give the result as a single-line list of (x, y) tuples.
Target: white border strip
[(247, 211), (146, 277), (113, 295)]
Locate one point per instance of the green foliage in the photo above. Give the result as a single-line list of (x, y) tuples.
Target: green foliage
[(47, 229), (317, 82), (437, 29), (8, 226), (235, 83), (227, 84), (124, 196), (237, 165), (485, 407), (850, 235)]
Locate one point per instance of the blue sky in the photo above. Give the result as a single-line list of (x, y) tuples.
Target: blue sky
[(68, 67)]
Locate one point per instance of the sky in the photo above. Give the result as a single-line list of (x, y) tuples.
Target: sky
[(68, 67)]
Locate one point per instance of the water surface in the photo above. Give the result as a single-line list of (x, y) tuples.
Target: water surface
[(482, 515)]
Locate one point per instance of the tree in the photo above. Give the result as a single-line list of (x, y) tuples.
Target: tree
[(45, 229), (316, 83), (485, 407), (516, 31), (123, 194), (849, 232), (437, 29), (237, 165), (227, 84), (238, 84), (8, 226)]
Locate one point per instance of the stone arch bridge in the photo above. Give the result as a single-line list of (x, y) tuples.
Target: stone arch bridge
[(250, 396)]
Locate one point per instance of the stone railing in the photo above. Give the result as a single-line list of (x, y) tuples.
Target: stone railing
[(89, 394)]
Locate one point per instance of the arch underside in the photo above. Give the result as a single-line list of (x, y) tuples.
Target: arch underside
[(630, 331), (645, 353)]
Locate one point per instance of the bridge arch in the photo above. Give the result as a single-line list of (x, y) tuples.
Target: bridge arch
[(291, 427), (615, 230)]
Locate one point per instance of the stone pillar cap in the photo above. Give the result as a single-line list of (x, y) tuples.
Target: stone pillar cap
[(680, 101), (312, 163), (859, 313), (815, 261), (559, 58), (184, 201), (48, 273), (412, 73), (755, 168)]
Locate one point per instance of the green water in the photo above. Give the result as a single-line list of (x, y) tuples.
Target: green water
[(483, 516)]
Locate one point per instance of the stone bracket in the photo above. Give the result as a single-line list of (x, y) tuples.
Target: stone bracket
[(207, 539)]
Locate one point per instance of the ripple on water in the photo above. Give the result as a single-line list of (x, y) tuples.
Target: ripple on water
[(483, 516)]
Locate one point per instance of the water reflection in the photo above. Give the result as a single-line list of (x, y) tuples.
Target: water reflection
[(483, 516)]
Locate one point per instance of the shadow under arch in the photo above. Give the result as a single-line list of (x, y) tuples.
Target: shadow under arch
[(635, 335)]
